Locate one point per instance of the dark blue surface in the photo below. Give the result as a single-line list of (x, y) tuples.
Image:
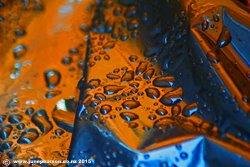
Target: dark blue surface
[(240, 37)]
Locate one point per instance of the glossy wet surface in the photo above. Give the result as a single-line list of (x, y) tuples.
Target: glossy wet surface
[(151, 84)]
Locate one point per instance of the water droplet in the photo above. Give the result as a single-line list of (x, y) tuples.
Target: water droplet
[(161, 111), (189, 110), (216, 17), (28, 136), (172, 98), (73, 51), (128, 76), (152, 93), (178, 147), (184, 155), (116, 70), (52, 78), (97, 58), (134, 85), (100, 96), (5, 131), (59, 132), (15, 118), (141, 67), (152, 117), (149, 74), (224, 38), (133, 125), (105, 109), (109, 45), (20, 126), (133, 24), (52, 93), (19, 32), (205, 25), (112, 76), (41, 120), (124, 36), (175, 110), (130, 104), (29, 111), (94, 83), (131, 12), (163, 81), (19, 51), (133, 58), (2, 118), (129, 116), (112, 89), (6, 145), (95, 116), (66, 60), (164, 123)]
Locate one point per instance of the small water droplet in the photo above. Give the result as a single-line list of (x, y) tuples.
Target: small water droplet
[(161, 111), (129, 116), (149, 74), (105, 109), (224, 38), (52, 78), (94, 83), (141, 67), (19, 51), (133, 58), (100, 96)]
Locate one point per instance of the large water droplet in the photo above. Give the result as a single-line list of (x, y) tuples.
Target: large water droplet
[(163, 81), (112, 89), (5, 131), (5, 145), (130, 104), (152, 93), (189, 110), (129, 116), (15, 118), (172, 98), (28, 136)]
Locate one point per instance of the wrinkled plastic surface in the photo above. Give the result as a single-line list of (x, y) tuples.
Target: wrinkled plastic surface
[(202, 121)]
